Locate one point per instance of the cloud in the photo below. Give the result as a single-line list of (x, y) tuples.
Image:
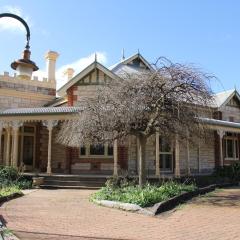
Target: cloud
[(12, 24), (77, 65)]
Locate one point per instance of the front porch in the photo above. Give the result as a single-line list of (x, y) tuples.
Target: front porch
[(28, 142)]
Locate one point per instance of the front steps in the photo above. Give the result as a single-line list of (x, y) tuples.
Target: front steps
[(73, 182)]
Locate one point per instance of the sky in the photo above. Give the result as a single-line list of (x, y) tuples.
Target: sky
[(203, 33)]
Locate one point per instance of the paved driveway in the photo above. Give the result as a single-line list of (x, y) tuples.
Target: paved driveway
[(67, 214)]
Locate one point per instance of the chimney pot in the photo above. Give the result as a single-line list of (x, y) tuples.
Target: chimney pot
[(69, 72), (51, 58)]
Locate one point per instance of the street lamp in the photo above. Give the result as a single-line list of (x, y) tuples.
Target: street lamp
[(23, 66)]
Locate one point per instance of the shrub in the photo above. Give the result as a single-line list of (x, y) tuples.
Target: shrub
[(8, 173), (231, 172), (10, 176), (144, 196), (116, 182)]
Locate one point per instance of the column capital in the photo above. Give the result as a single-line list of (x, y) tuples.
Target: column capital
[(3, 124), (16, 124), (221, 133), (50, 124)]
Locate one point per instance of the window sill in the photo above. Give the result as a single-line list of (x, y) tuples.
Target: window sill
[(232, 159), (96, 156)]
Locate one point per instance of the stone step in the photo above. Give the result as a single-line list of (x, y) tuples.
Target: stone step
[(54, 182), (45, 186), (76, 178)]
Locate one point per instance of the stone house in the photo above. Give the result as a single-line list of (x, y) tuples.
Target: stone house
[(31, 111)]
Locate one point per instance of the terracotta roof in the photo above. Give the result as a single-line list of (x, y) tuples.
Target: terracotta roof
[(40, 111)]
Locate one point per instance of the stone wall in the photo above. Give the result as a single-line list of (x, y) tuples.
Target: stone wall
[(150, 156), (202, 156), (16, 92), (202, 160), (19, 102)]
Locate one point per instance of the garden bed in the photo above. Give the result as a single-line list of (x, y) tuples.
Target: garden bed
[(145, 196), (150, 199)]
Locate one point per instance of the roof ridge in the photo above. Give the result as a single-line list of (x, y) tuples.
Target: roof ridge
[(226, 91)]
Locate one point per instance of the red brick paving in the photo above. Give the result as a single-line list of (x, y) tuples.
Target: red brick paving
[(68, 215)]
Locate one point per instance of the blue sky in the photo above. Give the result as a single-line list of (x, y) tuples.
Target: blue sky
[(205, 33)]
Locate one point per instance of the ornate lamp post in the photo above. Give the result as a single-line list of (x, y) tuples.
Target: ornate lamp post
[(23, 66)]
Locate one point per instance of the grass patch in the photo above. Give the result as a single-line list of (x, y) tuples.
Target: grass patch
[(146, 196), (9, 190)]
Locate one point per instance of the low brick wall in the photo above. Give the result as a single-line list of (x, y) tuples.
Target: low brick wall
[(10, 197)]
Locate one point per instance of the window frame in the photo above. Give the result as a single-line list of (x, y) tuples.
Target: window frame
[(235, 146), (88, 155), (170, 153)]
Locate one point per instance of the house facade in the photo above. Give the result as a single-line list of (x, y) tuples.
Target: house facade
[(31, 113)]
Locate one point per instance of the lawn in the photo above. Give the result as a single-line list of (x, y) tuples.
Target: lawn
[(148, 195)]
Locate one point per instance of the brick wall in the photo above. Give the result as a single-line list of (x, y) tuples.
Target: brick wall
[(59, 155)]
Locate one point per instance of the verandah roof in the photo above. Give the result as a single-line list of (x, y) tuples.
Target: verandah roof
[(40, 111)]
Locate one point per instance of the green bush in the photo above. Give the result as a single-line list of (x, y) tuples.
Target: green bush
[(145, 196), (10, 177), (231, 172), (8, 173)]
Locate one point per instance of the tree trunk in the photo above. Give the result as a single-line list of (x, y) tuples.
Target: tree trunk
[(142, 160)]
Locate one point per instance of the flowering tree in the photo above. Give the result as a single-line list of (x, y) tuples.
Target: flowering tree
[(169, 99)]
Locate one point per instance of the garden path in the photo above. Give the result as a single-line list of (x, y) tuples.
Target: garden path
[(68, 215)]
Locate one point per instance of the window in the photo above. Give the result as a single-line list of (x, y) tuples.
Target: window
[(231, 146), (110, 150), (83, 151), (166, 158), (231, 119), (96, 150)]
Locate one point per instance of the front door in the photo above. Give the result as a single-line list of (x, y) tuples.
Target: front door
[(28, 151)]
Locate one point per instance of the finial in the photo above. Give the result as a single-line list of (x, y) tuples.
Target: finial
[(123, 55), (95, 57), (235, 87), (138, 52)]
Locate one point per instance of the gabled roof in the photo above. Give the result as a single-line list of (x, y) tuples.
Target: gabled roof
[(122, 69), (62, 91), (116, 67), (222, 98)]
